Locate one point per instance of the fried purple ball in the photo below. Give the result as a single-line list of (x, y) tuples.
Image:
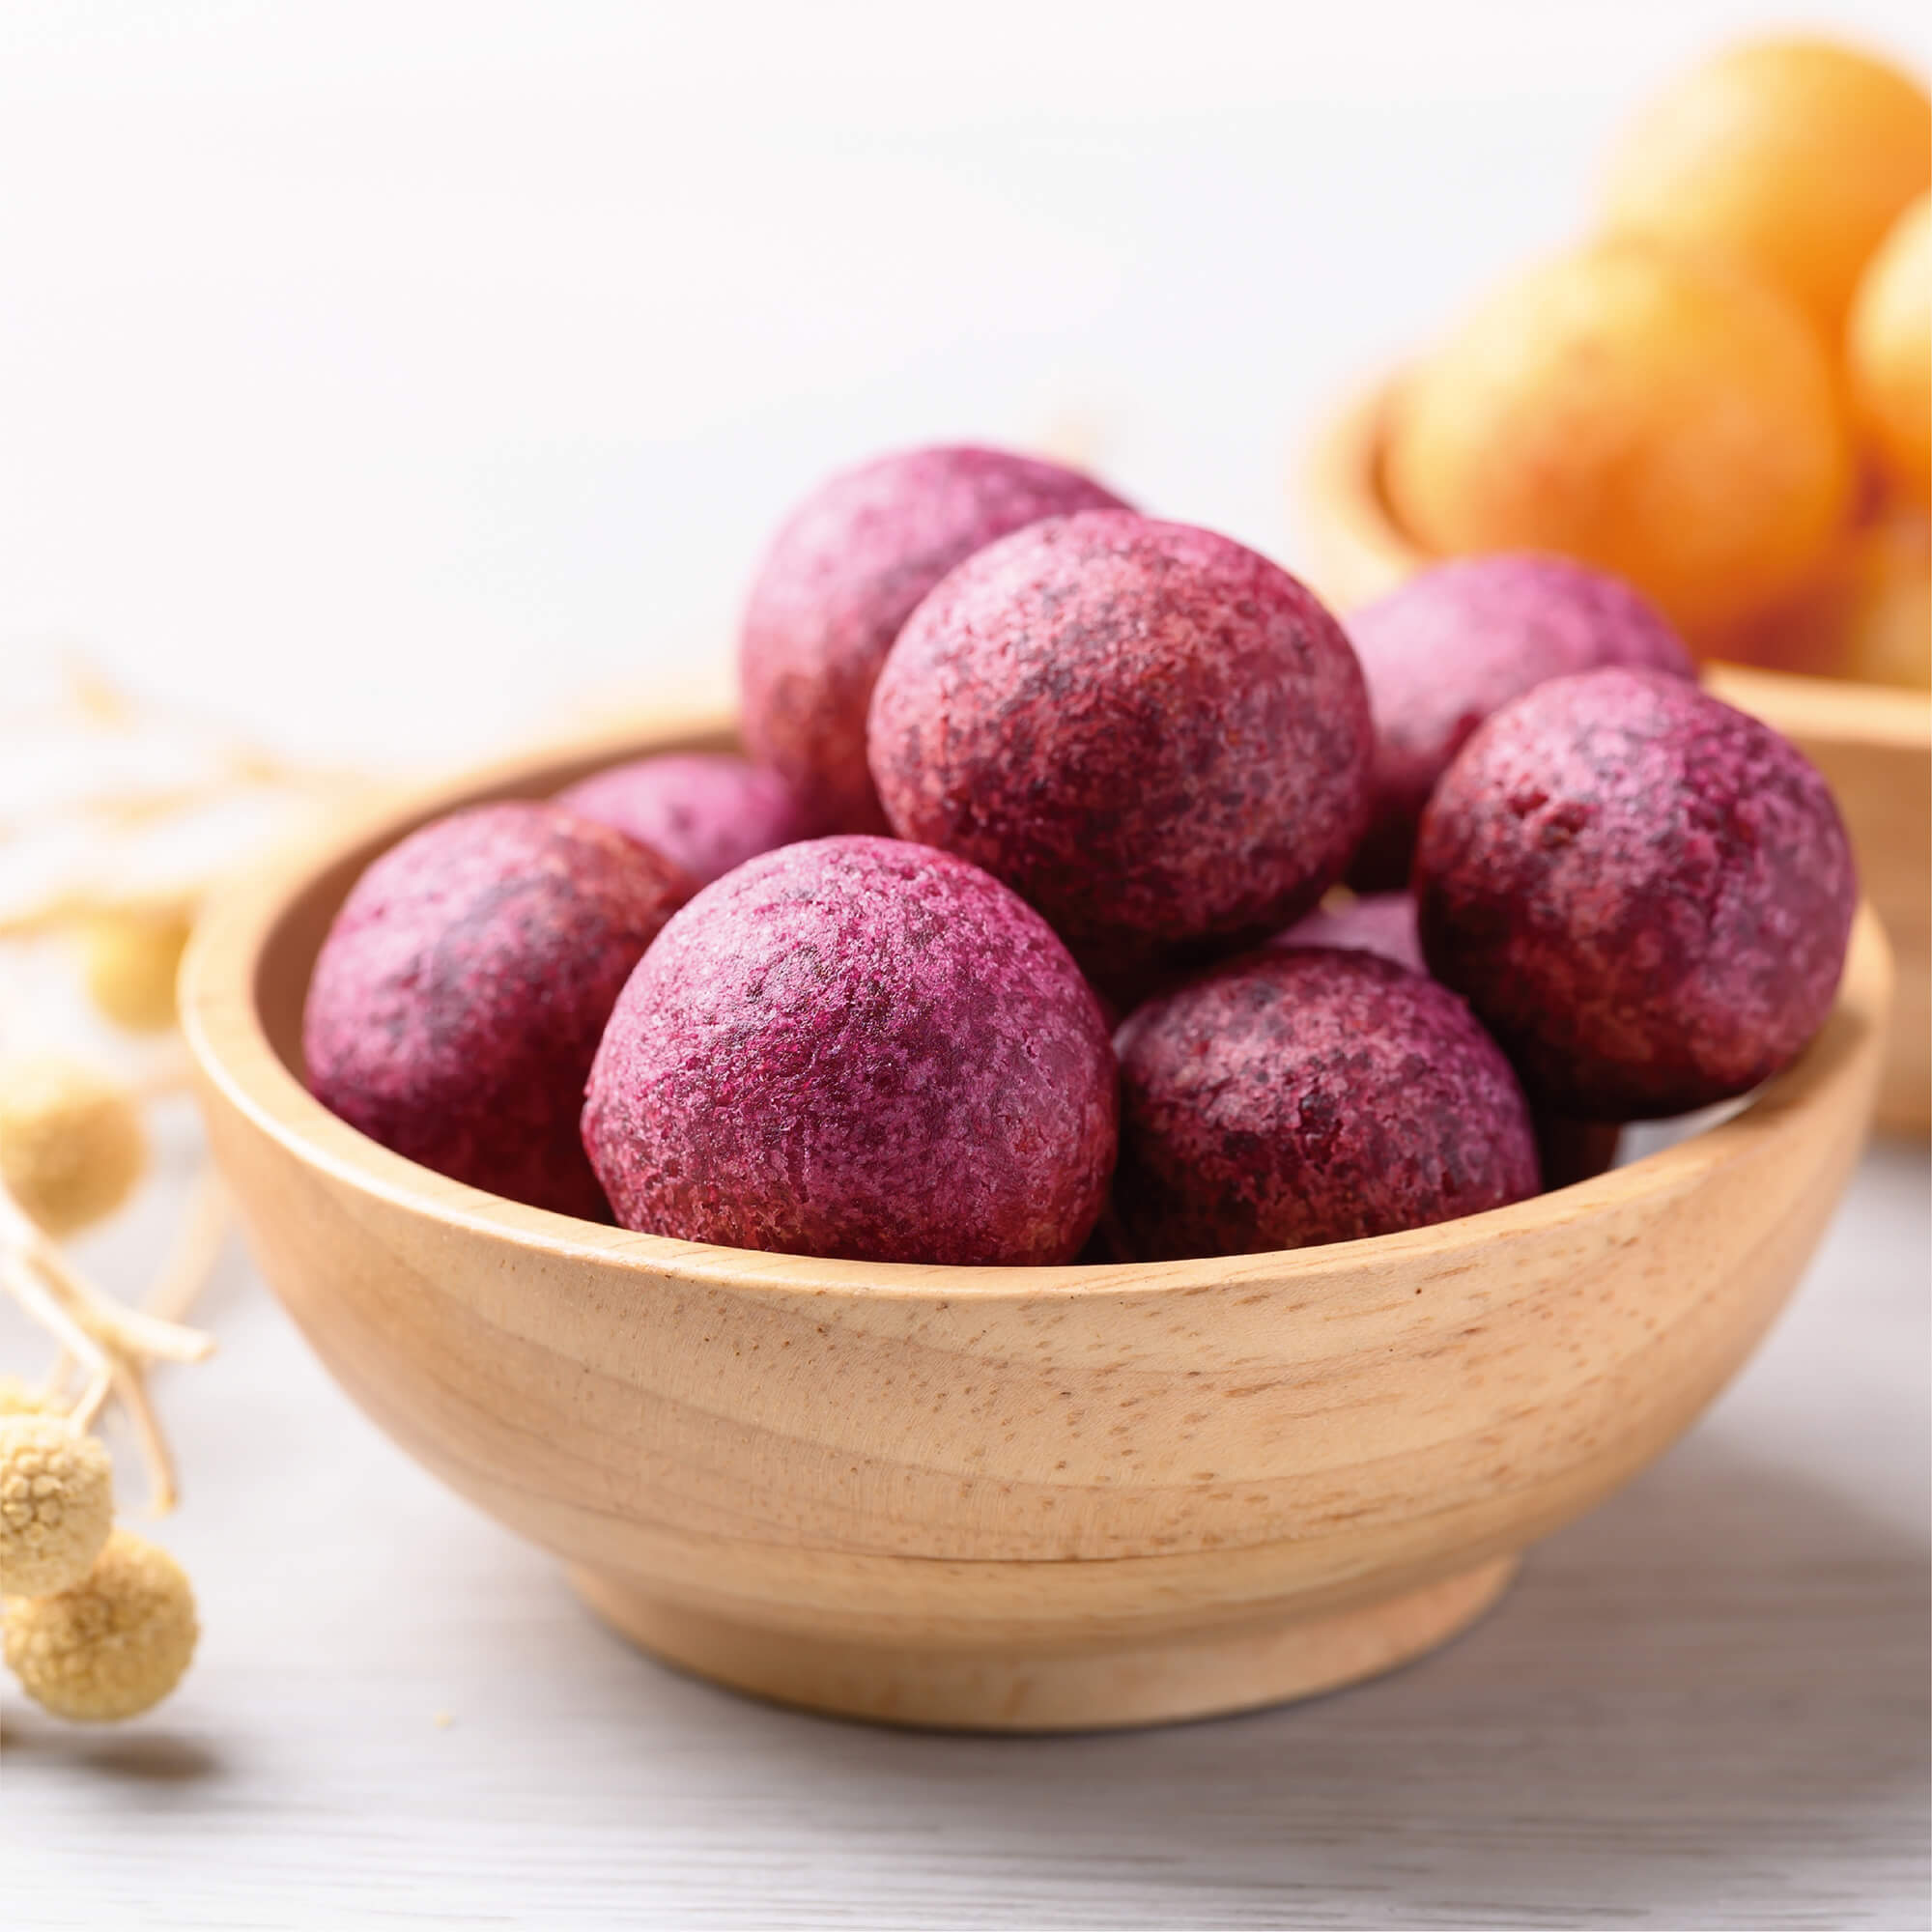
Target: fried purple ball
[(458, 998), (1293, 1098), (704, 810), (1459, 642), (1379, 923), (863, 1049), (1153, 734), (1645, 894), (841, 576)]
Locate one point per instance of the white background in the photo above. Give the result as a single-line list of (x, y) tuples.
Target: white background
[(387, 377), (386, 374)]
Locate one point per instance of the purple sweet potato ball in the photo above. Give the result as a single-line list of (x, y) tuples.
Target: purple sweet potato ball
[(863, 1049), (1379, 923), (704, 810), (1645, 894), (1153, 734), (458, 998), (1457, 641), (1384, 923), (1297, 1096), (842, 575)]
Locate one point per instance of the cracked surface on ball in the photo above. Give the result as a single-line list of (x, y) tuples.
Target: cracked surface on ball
[(1300, 1096), (842, 575), (859, 1048), (704, 810), (1151, 733), (1645, 895), (458, 998), (1457, 642)]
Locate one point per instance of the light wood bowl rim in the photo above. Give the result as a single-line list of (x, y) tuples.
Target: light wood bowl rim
[(225, 1033), (1344, 487)]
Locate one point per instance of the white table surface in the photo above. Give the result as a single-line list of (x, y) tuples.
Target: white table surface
[(382, 379)]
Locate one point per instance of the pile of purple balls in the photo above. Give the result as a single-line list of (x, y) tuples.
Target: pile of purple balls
[(1006, 944)]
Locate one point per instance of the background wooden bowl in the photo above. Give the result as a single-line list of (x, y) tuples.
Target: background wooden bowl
[(1872, 743), (1009, 1499)]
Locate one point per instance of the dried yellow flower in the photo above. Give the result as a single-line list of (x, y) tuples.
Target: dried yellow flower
[(111, 1647), (71, 1143), (131, 957), (56, 1504)]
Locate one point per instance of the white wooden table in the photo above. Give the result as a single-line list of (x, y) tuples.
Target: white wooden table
[(1704, 1706)]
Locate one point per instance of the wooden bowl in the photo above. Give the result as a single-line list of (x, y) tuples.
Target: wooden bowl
[(1872, 742), (1007, 1498)]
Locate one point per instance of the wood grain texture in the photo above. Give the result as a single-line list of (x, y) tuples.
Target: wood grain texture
[(979, 1477), (1873, 745)]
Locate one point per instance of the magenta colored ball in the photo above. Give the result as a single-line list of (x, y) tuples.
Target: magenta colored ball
[(458, 998), (704, 810), (841, 576), (1299, 1097), (1384, 923), (1151, 733), (1457, 642), (1379, 923), (1645, 895), (862, 1049)]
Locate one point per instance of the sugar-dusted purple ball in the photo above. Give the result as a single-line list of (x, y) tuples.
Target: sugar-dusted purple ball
[(1151, 733), (704, 810), (1299, 1096), (458, 998), (863, 1049), (840, 578), (1379, 923), (1645, 895), (1457, 643)]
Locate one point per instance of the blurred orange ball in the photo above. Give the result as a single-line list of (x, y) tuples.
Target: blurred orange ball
[(1868, 615), (1791, 157), (1677, 425), (1889, 353)]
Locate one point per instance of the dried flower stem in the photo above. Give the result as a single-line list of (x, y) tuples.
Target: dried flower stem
[(114, 1343), (197, 1246), (131, 1388), (76, 1343)]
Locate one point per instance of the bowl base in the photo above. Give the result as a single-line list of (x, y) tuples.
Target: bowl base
[(1112, 1687)]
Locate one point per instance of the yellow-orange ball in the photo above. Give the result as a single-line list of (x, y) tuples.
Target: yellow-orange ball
[(1791, 157), (1866, 616), (1889, 353), (1676, 425)]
